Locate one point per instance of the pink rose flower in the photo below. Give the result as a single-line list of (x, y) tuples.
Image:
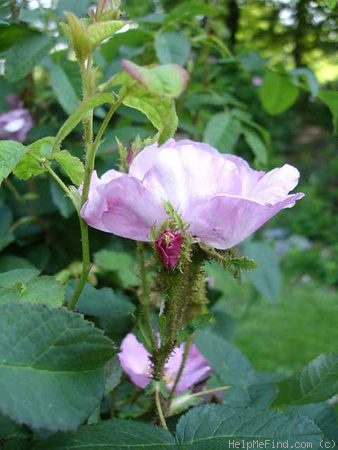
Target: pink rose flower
[(219, 196), (168, 246), (134, 360)]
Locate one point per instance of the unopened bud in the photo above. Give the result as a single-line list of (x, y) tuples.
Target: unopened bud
[(168, 246)]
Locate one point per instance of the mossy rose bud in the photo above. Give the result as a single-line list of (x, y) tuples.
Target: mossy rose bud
[(168, 246)]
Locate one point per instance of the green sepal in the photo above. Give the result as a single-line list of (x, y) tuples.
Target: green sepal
[(76, 31)]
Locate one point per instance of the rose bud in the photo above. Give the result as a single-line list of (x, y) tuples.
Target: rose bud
[(168, 246)]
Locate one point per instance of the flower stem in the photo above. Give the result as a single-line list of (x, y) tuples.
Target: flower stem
[(144, 297), (87, 88), (91, 148), (106, 121), (159, 406), (85, 265), (180, 370)]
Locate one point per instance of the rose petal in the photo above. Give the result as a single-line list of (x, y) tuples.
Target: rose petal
[(275, 185), (196, 368), (224, 221), (249, 177), (143, 161), (131, 209), (176, 176), (96, 204), (134, 360)]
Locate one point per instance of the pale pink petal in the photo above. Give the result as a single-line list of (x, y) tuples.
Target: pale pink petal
[(275, 185), (111, 175), (125, 208), (143, 161), (176, 176), (134, 360), (189, 380), (224, 221), (196, 368), (187, 144), (249, 177), (96, 204)]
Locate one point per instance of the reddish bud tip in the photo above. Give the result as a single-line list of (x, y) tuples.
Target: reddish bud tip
[(168, 246)]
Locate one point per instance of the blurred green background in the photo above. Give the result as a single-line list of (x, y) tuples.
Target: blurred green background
[(263, 85)]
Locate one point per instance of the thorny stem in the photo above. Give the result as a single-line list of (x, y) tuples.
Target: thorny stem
[(144, 296), (159, 406), (180, 370), (89, 167), (178, 286)]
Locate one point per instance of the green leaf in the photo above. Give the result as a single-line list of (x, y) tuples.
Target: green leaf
[(112, 434), (51, 366), (216, 427), (60, 200), (330, 98), (25, 54), (6, 220), (9, 429), (172, 48), (331, 3), (246, 119), (113, 310), (277, 92), (10, 262), (231, 368), (112, 374), (256, 144), (323, 416), (71, 165), (169, 80), (29, 165), (188, 9), (310, 79), (195, 101), (11, 153), (61, 78), (118, 261), (80, 9), (222, 132), (267, 276), (99, 31), (12, 277), (226, 361), (160, 111), (129, 39), (316, 382), (45, 290), (88, 104)]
